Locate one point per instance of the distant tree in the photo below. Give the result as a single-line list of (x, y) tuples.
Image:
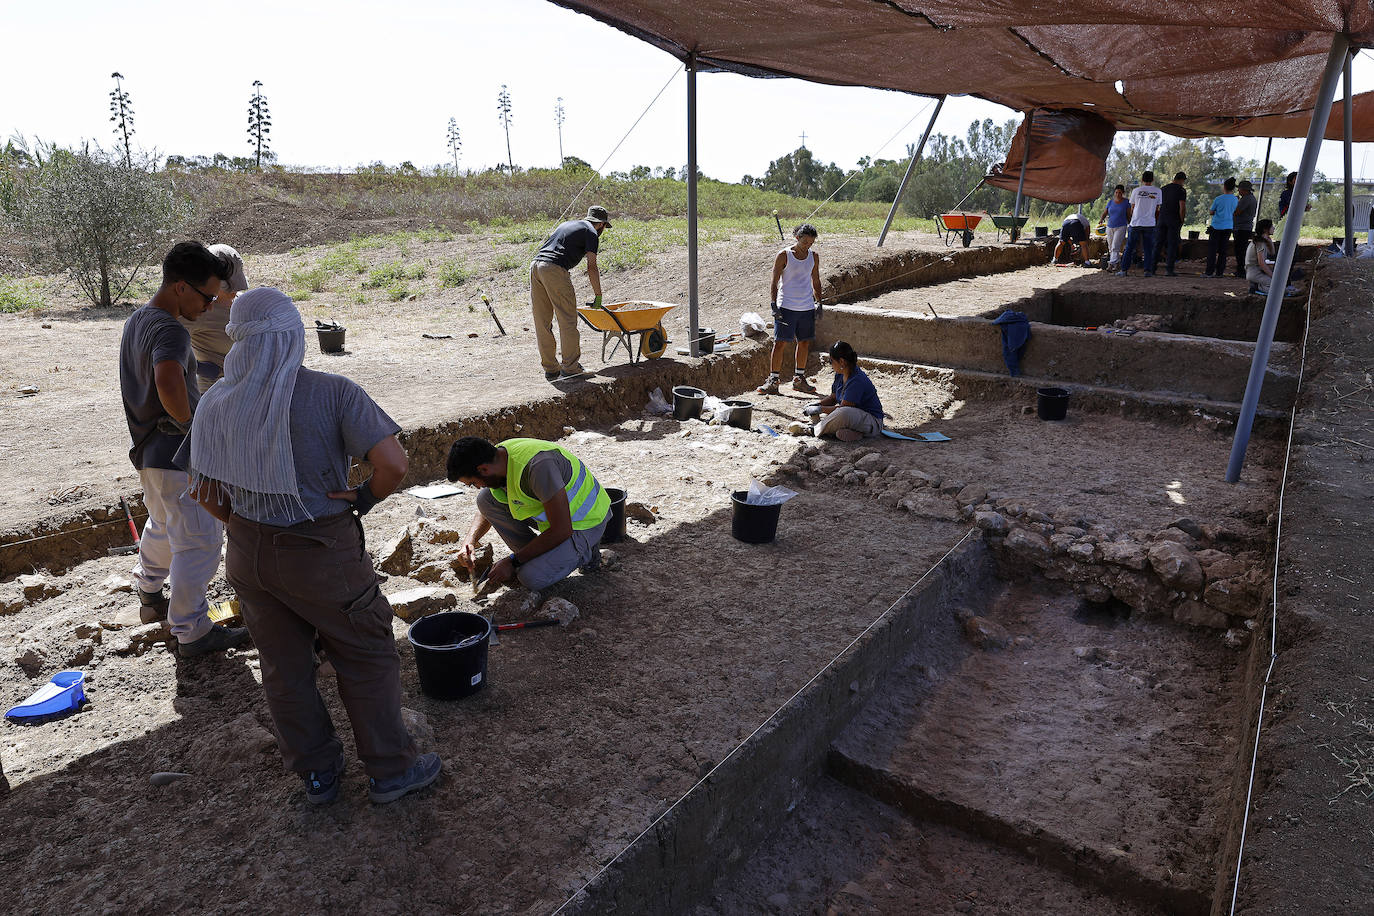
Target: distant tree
[(259, 125), (640, 173), (455, 142), (558, 116), (798, 174), (666, 171), (574, 164), (122, 114), (95, 215), (503, 114)]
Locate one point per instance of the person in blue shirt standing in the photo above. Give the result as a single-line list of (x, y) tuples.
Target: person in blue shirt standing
[(852, 410), (1117, 216), (1219, 232)]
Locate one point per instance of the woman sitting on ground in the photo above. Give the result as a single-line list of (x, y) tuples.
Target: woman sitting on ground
[(1259, 260), (852, 411)]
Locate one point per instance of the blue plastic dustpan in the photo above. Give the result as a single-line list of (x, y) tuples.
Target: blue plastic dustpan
[(64, 694)]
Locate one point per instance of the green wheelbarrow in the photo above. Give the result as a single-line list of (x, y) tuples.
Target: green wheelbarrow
[(1011, 225)]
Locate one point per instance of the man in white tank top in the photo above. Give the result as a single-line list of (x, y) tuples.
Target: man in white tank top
[(796, 297)]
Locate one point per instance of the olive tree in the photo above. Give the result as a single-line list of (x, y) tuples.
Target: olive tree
[(89, 214)]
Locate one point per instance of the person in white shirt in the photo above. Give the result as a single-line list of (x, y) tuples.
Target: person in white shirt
[(1145, 202)]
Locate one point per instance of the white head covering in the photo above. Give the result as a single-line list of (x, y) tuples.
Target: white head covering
[(241, 436)]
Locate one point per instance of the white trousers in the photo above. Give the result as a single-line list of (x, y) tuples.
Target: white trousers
[(849, 418), (180, 541), (1116, 240)]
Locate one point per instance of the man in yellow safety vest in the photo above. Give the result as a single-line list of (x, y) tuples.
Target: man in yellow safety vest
[(543, 502)]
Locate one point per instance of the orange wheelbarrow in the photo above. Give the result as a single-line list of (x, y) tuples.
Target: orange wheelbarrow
[(957, 226)]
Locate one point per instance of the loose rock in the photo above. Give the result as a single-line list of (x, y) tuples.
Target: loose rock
[(36, 587), (115, 584), (414, 603), (986, 634), (561, 609), (1124, 553), (1200, 615), (1028, 544), (992, 522), (640, 512), (1176, 567), (971, 495), (396, 554)]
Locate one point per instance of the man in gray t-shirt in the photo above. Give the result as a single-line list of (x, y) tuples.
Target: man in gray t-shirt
[(180, 541), (552, 294)]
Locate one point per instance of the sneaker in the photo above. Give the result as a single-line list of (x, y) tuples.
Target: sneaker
[(768, 387), (1149, 273), (550, 376), (217, 640), (1121, 273), (575, 372), (799, 383), (152, 607), (422, 772), (1170, 273), (322, 786)]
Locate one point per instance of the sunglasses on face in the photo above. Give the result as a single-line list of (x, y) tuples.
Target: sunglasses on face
[(202, 294)]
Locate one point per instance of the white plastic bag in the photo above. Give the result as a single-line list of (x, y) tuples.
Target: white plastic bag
[(759, 495), (716, 408), (752, 324), (658, 404)]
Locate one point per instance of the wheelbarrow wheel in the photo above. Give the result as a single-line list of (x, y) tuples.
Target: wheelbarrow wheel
[(968, 237), (654, 342)]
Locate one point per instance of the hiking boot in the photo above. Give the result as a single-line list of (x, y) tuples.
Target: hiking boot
[(322, 786), (422, 772), (152, 607), (768, 387), (217, 640), (550, 376), (799, 383), (575, 372)]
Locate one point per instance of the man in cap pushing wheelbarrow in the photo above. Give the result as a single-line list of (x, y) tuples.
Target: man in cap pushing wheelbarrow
[(552, 294)]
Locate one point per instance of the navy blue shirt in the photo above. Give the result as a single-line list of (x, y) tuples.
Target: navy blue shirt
[(569, 243), (859, 391)]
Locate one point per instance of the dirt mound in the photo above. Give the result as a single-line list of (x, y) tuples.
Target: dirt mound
[(268, 226)]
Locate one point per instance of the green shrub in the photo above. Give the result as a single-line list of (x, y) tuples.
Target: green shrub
[(392, 273), (19, 295), (300, 295), (343, 259), (507, 261), (397, 291), (453, 272), (315, 280)]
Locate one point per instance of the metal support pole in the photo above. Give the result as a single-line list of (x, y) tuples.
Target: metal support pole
[(1264, 177), (939, 103), (1347, 117), (1321, 113), (1025, 158), (692, 202)]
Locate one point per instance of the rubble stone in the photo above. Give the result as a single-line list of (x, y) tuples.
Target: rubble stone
[(36, 587), (414, 603), (1124, 553), (972, 495), (1029, 544), (1082, 552), (397, 554), (1176, 567), (1188, 526), (115, 584), (986, 634), (1200, 615), (872, 463), (31, 658), (1233, 596), (992, 522)]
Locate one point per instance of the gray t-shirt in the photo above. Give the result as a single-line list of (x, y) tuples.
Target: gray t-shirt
[(545, 475), (332, 420), (569, 243), (152, 336), (1243, 220)]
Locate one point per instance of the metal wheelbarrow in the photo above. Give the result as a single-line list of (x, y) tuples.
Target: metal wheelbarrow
[(1011, 225), (957, 225), (622, 322)]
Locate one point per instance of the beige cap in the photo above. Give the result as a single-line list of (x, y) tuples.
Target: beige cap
[(238, 281)]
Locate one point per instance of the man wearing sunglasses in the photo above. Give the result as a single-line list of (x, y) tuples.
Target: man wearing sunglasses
[(157, 371)]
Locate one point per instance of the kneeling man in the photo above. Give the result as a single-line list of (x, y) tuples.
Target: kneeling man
[(543, 502)]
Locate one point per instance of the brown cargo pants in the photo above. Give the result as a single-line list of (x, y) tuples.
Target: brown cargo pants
[(552, 296), (316, 577)]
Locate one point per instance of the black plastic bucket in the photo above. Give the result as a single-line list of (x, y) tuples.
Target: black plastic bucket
[(706, 341), (615, 525), (448, 670), (1051, 403), (754, 524), (741, 413), (331, 339), (1194, 235), (1042, 231), (687, 402)]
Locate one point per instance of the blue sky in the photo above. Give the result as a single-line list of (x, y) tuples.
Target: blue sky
[(351, 83)]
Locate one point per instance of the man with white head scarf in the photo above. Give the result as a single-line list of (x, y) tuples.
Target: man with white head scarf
[(269, 455)]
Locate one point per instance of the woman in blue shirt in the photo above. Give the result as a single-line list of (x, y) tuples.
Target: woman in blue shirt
[(1117, 216), (852, 410)]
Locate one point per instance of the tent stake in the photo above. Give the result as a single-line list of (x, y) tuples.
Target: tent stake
[(1347, 116), (1288, 246), (1264, 177), (692, 317), (1025, 158), (939, 103)]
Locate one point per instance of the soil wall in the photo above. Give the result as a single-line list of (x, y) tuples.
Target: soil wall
[(907, 269)]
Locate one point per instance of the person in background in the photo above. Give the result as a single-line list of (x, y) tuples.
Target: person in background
[(1117, 217), (1172, 211), (181, 541), (852, 410), (552, 294), (1072, 236), (1219, 229), (1243, 222), (270, 457), (543, 501), (1259, 260), (209, 343), (1286, 196), (1145, 202), (796, 297)]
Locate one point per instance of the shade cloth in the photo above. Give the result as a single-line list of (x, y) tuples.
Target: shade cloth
[(1186, 67), (1068, 156)]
